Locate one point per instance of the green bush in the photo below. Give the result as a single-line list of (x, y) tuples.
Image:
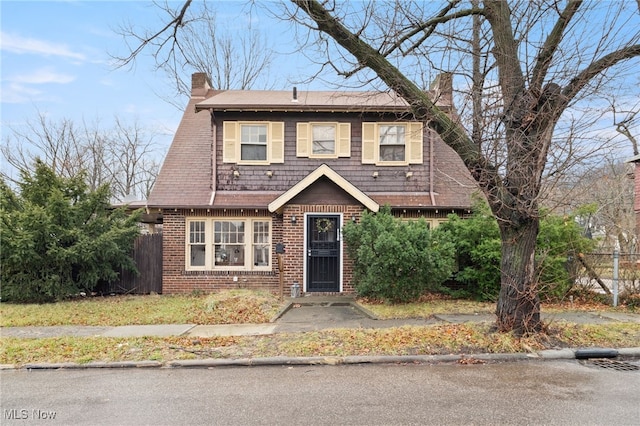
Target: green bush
[(397, 260), (59, 238), (478, 248), (559, 238)]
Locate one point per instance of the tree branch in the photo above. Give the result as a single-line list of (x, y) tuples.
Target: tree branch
[(551, 44), (451, 132), (510, 73), (595, 68), (175, 23)]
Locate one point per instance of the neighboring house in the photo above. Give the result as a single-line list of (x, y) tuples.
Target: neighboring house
[(256, 181)]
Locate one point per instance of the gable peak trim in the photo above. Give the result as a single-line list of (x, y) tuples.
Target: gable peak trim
[(323, 170)]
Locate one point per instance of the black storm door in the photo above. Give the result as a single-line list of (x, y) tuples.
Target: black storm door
[(323, 253)]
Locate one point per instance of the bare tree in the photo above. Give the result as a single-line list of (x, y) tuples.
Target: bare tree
[(124, 157), (625, 121), (130, 160), (57, 144), (542, 57), (232, 59), (608, 190), (528, 64)]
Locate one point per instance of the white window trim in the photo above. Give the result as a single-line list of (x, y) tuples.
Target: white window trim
[(210, 244), (411, 143), (405, 144), (267, 144), (335, 140), (232, 145)]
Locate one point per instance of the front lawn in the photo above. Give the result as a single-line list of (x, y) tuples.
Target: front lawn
[(459, 339), (242, 306), (227, 307)]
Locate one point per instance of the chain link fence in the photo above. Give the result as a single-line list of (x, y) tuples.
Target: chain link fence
[(597, 269)]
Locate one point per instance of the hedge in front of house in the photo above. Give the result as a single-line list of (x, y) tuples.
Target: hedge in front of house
[(59, 238), (397, 260)]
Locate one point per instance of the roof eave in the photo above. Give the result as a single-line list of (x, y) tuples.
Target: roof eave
[(300, 108)]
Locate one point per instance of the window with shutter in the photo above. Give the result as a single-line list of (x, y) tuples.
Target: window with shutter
[(323, 140), (253, 142), (392, 144)]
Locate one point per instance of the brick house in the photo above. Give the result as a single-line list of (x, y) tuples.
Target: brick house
[(257, 185)]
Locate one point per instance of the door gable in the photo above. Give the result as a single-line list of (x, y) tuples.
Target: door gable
[(324, 191), (323, 171)]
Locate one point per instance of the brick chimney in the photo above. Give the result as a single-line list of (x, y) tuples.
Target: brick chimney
[(442, 89), (200, 84)]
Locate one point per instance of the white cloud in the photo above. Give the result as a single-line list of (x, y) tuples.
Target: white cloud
[(42, 76), (23, 88), (16, 93), (24, 45)]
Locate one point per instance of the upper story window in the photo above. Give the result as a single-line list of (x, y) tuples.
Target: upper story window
[(323, 140), (228, 244), (257, 142), (253, 142), (392, 144)]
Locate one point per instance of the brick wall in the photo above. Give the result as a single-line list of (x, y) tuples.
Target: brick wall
[(175, 277), (293, 238)]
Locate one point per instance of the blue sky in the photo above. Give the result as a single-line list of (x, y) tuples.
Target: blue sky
[(55, 60)]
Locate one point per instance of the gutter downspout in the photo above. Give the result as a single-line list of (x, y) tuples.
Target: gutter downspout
[(213, 157), (431, 172)]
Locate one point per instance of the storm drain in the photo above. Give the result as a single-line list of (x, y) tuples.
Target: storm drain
[(612, 364)]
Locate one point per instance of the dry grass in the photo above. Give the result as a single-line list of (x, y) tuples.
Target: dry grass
[(427, 308), (242, 306), (226, 307), (462, 339)]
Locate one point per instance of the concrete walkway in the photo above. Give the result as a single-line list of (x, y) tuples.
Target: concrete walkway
[(301, 315)]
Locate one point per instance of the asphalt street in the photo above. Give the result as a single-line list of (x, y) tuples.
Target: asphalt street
[(516, 393)]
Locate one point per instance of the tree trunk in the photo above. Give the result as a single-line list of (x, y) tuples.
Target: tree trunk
[(518, 306)]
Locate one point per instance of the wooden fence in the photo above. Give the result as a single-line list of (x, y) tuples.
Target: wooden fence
[(147, 255)]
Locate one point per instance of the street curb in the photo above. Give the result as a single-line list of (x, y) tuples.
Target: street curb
[(91, 365), (553, 354)]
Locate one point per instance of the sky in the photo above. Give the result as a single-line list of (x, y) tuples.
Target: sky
[(55, 60)]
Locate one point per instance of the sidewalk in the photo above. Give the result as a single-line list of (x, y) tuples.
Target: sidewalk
[(302, 315), (299, 316)]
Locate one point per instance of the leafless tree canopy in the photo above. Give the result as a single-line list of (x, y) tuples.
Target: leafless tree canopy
[(194, 39), (125, 156), (525, 70)]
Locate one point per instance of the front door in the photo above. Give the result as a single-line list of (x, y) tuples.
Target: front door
[(323, 253)]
